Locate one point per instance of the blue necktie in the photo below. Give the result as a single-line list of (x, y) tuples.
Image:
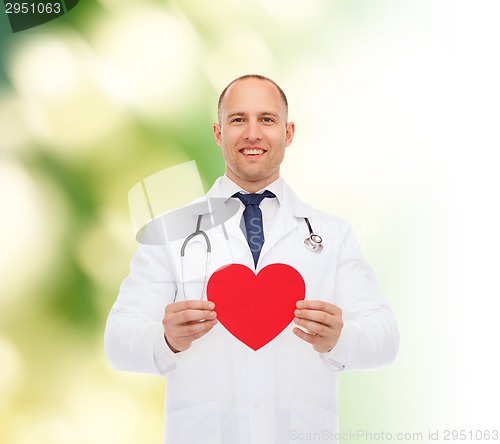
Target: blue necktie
[(253, 221)]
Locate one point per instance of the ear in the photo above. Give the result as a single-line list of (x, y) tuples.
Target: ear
[(290, 131), (217, 133)]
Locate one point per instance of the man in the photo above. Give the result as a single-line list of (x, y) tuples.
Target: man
[(220, 389)]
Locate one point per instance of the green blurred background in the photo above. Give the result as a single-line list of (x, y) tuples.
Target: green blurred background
[(396, 105)]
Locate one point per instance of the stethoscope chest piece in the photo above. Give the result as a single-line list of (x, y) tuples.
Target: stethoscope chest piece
[(314, 242)]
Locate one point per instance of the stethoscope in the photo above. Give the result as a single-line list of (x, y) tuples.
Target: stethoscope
[(198, 232), (313, 243)]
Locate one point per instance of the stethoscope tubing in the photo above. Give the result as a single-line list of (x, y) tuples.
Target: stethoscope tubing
[(198, 232), (313, 243)]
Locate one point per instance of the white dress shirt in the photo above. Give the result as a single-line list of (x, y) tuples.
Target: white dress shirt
[(269, 207)]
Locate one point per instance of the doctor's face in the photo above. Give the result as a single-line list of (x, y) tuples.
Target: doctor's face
[(253, 133)]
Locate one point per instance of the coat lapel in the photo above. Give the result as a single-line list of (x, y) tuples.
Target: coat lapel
[(239, 250), (290, 214)]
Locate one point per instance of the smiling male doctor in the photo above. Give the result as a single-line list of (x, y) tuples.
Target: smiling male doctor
[(219, 390)]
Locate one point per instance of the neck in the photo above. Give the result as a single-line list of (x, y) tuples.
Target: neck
[(252, 187)]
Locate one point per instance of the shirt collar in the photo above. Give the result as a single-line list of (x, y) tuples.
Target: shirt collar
[(228, 188)]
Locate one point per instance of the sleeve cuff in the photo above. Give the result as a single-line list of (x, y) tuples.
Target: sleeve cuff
[(164, 357), (338, 356)]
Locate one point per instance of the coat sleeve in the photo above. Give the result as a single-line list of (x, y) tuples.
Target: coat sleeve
[(133, 339), (370, 337)]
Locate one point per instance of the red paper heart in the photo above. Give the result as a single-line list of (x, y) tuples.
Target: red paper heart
[(255, 308)]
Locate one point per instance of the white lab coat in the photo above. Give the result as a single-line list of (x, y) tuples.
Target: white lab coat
[(220, 391)]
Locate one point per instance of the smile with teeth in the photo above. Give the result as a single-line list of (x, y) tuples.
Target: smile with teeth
[(252, 151)]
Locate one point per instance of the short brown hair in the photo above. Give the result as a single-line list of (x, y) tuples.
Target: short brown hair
[(252, 76)]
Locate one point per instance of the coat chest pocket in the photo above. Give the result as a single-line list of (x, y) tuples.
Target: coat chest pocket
[(311, 423), (200, 423)]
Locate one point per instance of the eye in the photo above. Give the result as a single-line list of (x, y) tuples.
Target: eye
[(236, 120), (268, 120)]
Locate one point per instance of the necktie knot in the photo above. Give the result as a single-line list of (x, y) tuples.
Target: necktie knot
[(254, 199)]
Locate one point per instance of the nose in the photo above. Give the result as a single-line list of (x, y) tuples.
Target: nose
[(253, 131)]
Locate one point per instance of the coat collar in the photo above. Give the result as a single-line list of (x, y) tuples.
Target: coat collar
[(290, 214), (296, 207)]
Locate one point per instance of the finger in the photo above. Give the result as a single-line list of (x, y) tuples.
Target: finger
[(183, 343), (186, 316), (311, 339), (312, 327), (174, 323), (322, 317), (203, 332), (193, 329), (176, 307), (179, 338), (319, 305)]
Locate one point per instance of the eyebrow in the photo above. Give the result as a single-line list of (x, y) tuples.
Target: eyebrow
[(229, 116), (241, 114)]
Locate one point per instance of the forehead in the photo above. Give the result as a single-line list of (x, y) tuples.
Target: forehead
[(252, 95)]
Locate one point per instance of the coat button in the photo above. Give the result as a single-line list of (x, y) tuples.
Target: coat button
[(257, 404)]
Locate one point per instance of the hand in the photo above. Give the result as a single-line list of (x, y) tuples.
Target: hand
[(186, 321), (323, 322)]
